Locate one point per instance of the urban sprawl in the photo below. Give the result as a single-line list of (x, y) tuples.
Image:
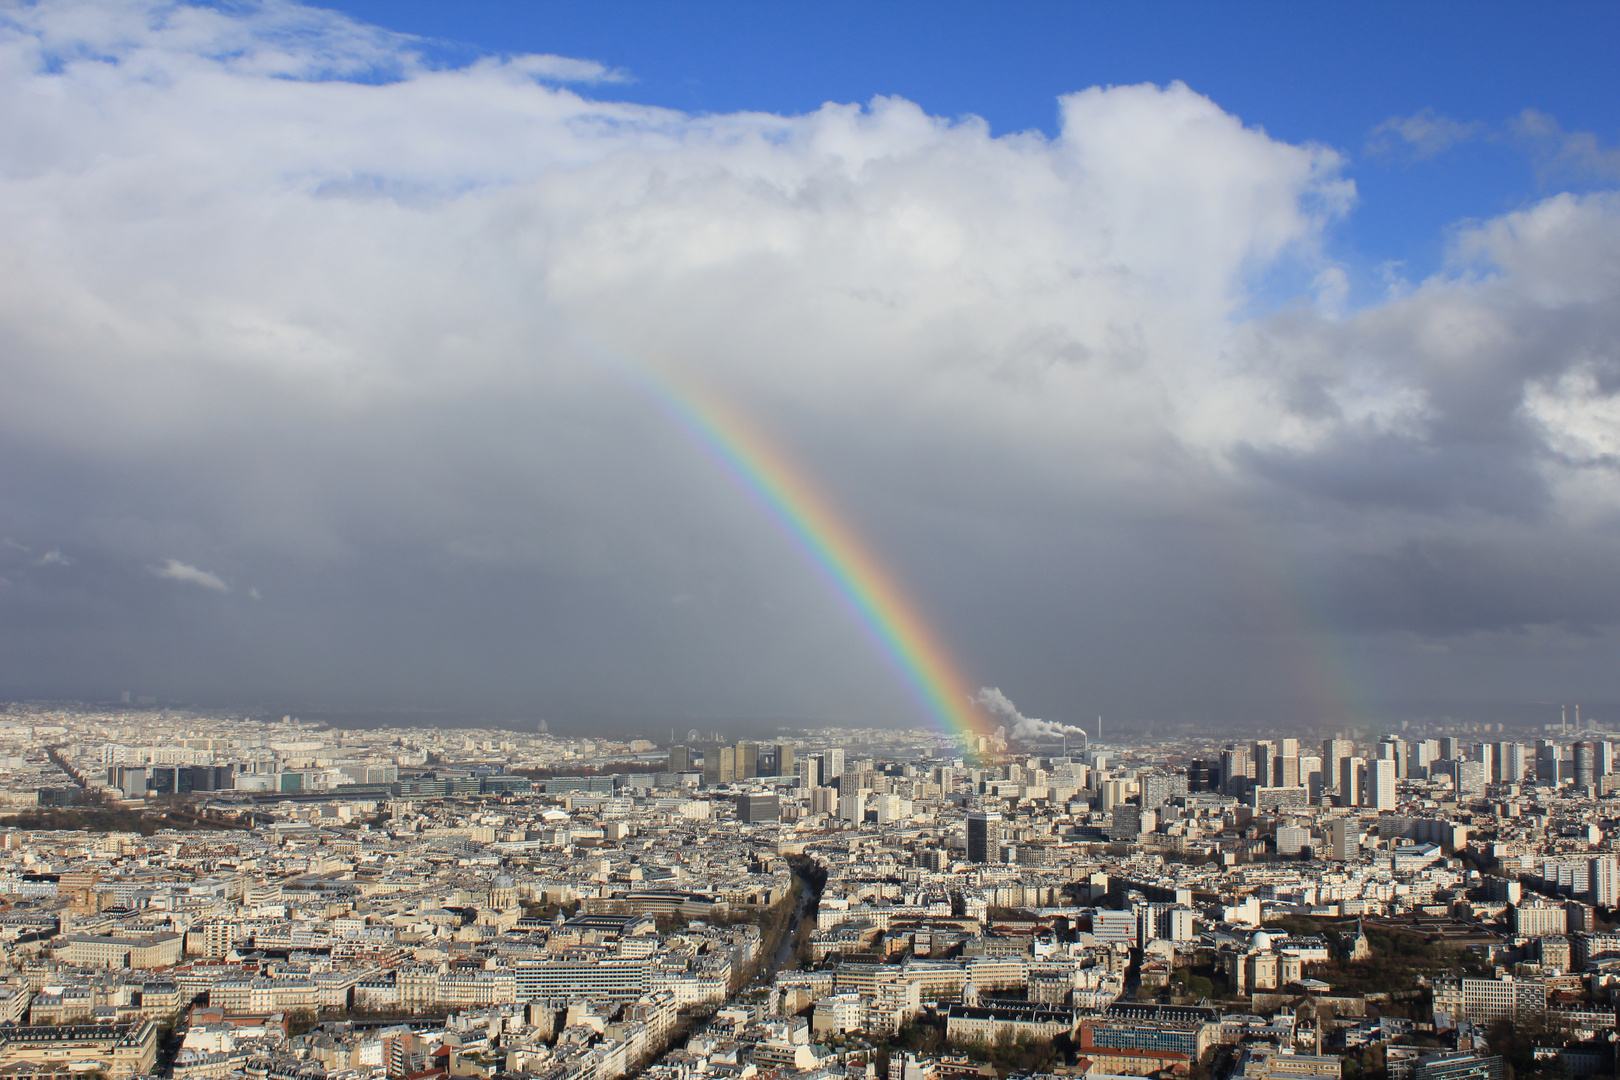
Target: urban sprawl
[(199, 895)]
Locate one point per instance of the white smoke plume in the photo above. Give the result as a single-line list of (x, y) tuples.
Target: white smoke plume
[(992, 700)]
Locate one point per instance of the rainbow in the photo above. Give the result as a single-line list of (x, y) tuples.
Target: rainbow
[(828, 542)]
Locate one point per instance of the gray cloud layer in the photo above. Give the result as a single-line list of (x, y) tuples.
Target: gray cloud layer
[(283, 303)]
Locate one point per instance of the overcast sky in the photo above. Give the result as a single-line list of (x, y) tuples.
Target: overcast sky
[(313, 341)]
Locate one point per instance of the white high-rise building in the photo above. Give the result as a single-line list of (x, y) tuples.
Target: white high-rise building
[(832, 765), (1381, 784), (1603, 880), (1393, 748), (1514, 760)]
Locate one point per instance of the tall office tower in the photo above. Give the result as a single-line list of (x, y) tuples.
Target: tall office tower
[(1265, 763), (984, 836), (747, 760), (1508, 756), (1547, 755), (1419, 755), (1486, 754), (784, 760), (1383, 784), (1350, 781), (1286, 773), (1393, 749), (852, 805), (680, 759), (808, 772), (832, 765), (1605, 759), (823, 800), (1451, 748), (1311, 776), (719, 764), (1517, 763), (1333, 752), (1343, 838), (1585, 765), (1334, 749), (1234, 768), (1289, 748)]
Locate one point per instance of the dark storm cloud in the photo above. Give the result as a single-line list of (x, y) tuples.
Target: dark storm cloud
[(326, 388)]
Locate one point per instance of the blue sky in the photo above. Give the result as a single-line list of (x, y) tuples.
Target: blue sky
[(1330, 73)]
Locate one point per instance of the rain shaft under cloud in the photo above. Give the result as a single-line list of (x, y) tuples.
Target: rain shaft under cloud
[(293, 317)]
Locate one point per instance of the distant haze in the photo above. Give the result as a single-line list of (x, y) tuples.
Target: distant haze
[(313, 390)]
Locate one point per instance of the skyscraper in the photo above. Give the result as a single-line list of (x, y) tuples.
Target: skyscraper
[(1311, 775), (1265, 763), (1234, 771), (984, 836), (1511, 762), (747, 760), (784, 760), (1585, 765), (832, 765), (719, 764), (1350, 781), (1547, 755), (1391, 748), (1343, 841), (1383, 784), (680, 759)]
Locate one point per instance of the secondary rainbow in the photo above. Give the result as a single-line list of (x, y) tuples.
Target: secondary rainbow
[(828, 542)]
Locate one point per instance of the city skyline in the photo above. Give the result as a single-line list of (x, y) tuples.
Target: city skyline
[(1140, 370)]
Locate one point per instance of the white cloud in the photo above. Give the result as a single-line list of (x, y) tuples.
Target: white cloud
[(1424, 134), (1559, 155), (175, 570), (562, 69), (1565, 155), (344, 324), (54, 557)]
